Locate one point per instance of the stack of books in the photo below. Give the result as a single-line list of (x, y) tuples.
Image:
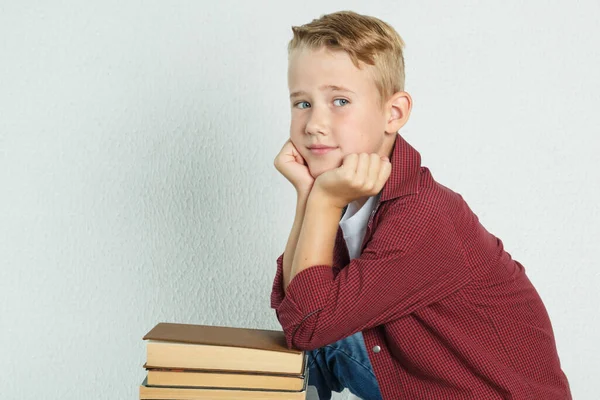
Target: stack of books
[(188, 362)]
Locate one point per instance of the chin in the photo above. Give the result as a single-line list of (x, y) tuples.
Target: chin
[(316, 174), (318, 168), (316, 171)]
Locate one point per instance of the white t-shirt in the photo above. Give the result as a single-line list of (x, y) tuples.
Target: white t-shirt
[(354, 225)]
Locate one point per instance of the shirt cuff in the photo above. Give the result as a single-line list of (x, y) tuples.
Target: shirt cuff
[(306, 295)]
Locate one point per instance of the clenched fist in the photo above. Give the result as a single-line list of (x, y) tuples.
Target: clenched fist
[(359, 175), (290, 164)]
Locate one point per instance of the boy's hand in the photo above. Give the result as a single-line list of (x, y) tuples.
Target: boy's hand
[(359, 175), (290, 164)]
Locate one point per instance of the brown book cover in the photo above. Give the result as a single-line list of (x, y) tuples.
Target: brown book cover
[(204, 347), (261, 339)]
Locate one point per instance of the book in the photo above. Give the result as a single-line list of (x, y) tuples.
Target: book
[(203, 378), (204, 347), (148, 392)]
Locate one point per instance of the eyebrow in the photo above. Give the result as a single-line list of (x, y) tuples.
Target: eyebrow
[(330, 87)]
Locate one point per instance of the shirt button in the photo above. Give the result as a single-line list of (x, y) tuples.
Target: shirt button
[(376, 349)]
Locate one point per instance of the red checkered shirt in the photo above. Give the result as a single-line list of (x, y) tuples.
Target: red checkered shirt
[(445, 312)]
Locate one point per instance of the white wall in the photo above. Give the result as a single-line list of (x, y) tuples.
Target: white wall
[(137, 186)]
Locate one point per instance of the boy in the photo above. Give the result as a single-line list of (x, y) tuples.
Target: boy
[(407, 296)]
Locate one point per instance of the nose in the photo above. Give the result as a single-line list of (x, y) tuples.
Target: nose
[(318, 122)]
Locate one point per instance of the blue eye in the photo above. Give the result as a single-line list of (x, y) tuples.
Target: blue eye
[(342, 101), (302, 104)]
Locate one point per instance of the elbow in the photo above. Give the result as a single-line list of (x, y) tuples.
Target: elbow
[(303, 337), (300, 343), (298, 336)]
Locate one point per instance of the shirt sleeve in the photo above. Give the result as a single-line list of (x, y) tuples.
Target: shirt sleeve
[(413, 259), (277, 293)]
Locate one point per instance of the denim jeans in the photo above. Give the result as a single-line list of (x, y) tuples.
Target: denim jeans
[(343, 364)]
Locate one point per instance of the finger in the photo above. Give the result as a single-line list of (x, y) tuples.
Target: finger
[(292, 150), (374, 169), (299, 159), (362, 169), (350, 163)]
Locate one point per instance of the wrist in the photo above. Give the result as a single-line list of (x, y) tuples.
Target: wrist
[(304, 191), (302, 195), (321, 199)]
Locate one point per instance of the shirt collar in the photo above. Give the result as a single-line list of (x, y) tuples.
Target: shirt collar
[(404, 178)]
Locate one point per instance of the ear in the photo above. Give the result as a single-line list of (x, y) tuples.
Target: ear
[(397, 111)]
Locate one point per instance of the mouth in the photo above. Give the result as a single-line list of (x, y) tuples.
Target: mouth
[(320, 149)]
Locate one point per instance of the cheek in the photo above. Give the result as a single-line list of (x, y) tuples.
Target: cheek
[(360, 128), (349, 128), (297, 142), (296, 129)]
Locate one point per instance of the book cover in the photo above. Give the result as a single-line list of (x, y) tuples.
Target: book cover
[(260, 339)]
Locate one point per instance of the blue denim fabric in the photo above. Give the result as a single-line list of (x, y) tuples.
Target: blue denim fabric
[(343, 364)]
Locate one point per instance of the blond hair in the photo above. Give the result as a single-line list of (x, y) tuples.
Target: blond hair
[(364, 38)]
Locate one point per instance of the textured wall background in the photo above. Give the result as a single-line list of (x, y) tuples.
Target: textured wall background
[(137, 186)]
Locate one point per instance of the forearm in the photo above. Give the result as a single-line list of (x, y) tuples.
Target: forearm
[(317, 234), (290, 248)]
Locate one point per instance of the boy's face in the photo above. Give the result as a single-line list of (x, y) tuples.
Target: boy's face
[(334, 104)]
